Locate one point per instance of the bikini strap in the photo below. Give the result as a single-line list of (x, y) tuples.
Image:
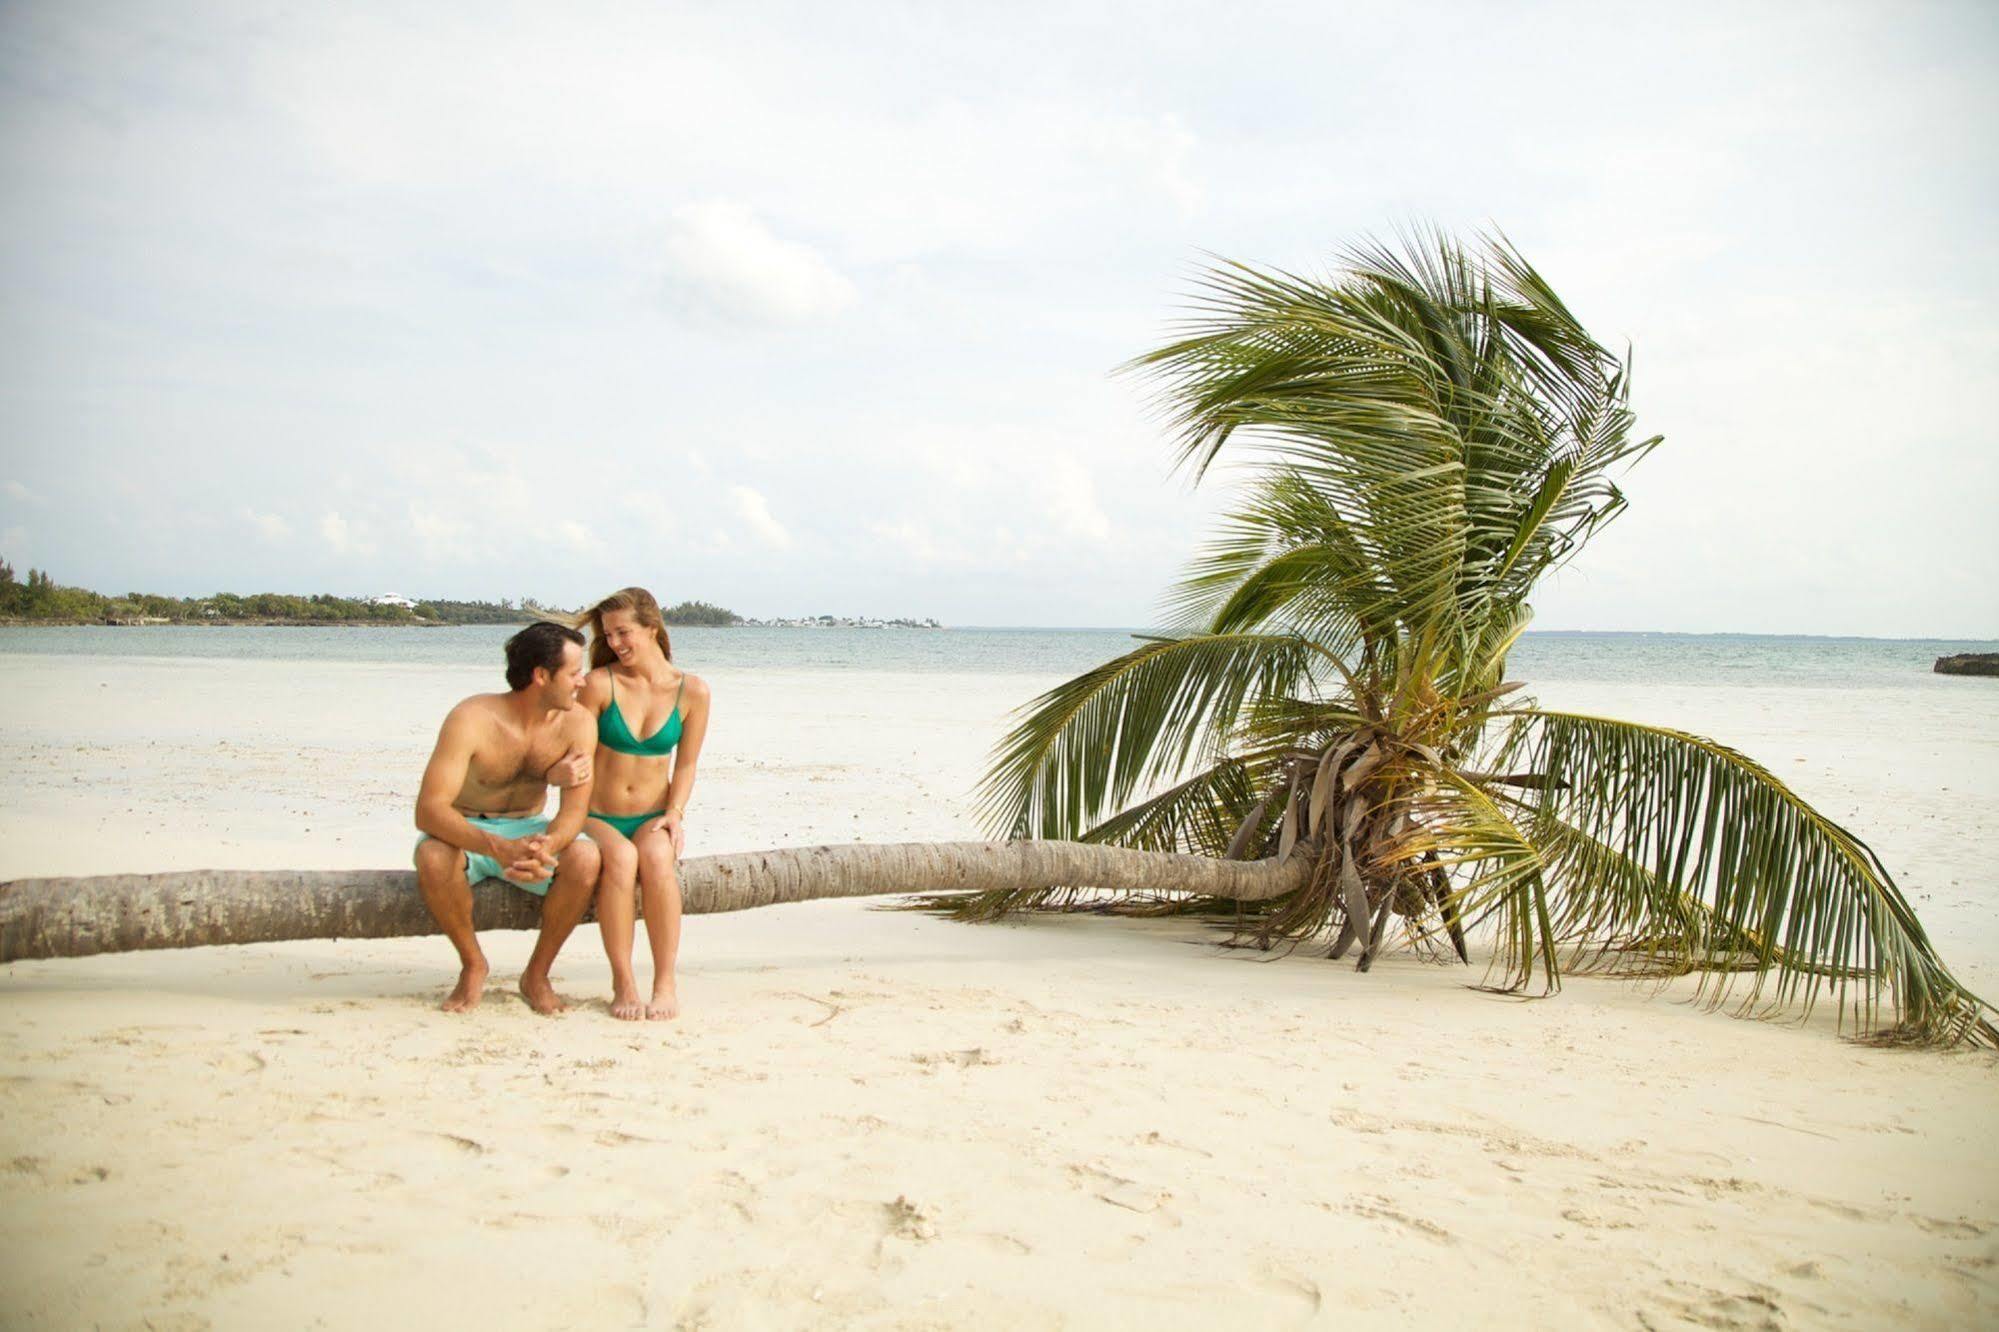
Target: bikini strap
[(678, 690)]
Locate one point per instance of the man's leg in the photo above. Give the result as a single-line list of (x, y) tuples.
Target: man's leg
[(440, 878), (568, 897)]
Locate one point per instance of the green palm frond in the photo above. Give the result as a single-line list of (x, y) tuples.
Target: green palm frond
[(1198, 815), (1138, 721), (1448, 411), (1499, 874), (1731, 873), (1287, 559)]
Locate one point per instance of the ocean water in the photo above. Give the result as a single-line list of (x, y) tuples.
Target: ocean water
[(1609, 658)]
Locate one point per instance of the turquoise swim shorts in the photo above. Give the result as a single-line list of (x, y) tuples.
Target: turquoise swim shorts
[(479, 867)]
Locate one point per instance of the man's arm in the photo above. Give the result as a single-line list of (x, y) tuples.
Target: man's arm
[(580, 731), (443, 779)]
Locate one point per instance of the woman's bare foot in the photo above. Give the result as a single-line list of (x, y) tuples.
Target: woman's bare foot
[(626, 1006), (665, 1004), (541, 996), (471, 984)]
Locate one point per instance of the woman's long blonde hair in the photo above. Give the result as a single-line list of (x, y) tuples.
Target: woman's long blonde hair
[(642, 606)]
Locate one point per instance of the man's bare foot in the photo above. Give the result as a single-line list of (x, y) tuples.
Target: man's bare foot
[(665, 1004), (541, 996), (471, 984), (626, 1006)]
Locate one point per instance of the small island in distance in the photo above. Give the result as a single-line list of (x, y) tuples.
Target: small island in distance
[(39, 599)]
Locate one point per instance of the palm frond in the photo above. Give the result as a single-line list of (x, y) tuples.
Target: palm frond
[(1133, 724), (1498, 871), (1442, 406), (1735, 874), (1198, 816)]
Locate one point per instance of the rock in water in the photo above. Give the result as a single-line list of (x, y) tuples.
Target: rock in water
[(1969, 663)]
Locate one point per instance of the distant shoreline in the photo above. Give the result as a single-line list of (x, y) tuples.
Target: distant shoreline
[(15, 622)]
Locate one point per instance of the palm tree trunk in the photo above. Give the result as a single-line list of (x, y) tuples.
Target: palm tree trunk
[(118, 913)]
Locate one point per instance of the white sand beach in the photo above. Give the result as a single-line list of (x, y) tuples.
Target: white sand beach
[(879, 1119)]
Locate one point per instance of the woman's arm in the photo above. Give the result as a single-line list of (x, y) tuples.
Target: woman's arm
[(693, 730), (578, 766)]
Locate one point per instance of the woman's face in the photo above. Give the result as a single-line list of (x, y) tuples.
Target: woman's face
[(626, 636)]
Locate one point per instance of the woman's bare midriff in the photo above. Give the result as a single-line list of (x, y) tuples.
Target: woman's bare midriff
[(629, 783)]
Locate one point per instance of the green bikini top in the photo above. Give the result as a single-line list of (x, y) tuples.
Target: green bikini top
[(613, 733)]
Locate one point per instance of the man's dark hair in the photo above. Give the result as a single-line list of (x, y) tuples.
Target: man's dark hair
[(540, 644)]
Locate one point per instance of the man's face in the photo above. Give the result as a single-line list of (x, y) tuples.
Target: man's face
[(559, 689)]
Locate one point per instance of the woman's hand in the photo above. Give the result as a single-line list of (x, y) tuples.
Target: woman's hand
[(572, 769), (674, 825)]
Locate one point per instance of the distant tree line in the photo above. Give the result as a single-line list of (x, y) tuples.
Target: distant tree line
[(41, 598), (700, 613)]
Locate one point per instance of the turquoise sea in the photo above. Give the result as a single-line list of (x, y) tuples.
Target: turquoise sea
[(1623, 658)]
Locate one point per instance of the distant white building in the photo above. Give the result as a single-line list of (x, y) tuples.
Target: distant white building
[(391, 599)]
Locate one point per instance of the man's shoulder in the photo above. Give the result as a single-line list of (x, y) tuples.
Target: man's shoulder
[(476, 709), (577, 723)]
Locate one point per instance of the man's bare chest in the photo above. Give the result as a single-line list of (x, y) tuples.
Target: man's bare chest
[(513, 760)]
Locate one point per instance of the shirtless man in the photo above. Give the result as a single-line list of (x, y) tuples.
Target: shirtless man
[(480, 809)]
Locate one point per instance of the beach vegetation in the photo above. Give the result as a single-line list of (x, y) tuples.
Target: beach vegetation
[(1420, 438), (41, 599), (700, 613)]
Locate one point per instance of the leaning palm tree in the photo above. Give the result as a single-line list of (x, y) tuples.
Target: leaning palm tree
[(1426, 436)]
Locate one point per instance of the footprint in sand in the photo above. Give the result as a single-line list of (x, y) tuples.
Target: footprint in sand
[(1118, 1191), (1300, 1293), (972, 1058), (1377, 1208), (239, 1061), (469, 1146), (1707, 1307), (1591, 1221)]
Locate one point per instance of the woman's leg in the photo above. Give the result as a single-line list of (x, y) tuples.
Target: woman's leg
[(614, 915), (659, 886)]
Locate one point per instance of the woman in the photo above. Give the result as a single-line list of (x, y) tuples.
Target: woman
[(651, 718)]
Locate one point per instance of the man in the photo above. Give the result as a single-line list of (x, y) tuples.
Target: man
[(480, 809)]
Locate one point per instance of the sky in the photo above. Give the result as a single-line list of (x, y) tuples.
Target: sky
[(814, 308)]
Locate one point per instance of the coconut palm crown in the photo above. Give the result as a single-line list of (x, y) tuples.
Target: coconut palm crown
[(1424, 437)]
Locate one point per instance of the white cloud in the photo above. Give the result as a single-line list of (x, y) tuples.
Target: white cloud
[(1069, 501), (915, 541), (269, 526), (345, 537), (755, 512), (442, 537), (724, 263), (578, 537), (15, 490)]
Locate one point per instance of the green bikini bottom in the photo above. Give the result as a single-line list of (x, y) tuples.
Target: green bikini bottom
[(627, 823)]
